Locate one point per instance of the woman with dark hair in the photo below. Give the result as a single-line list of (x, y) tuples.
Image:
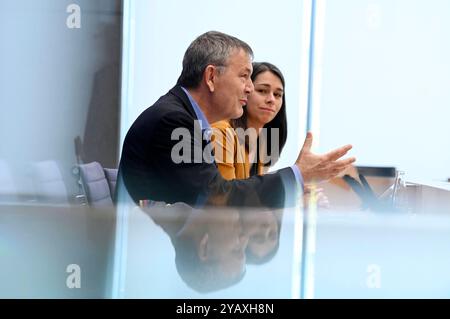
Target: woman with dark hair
[(249, 145)]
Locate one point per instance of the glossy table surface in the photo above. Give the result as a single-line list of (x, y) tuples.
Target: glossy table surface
[(180, 252)]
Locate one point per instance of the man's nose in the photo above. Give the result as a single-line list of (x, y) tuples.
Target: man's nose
[(249, 87)]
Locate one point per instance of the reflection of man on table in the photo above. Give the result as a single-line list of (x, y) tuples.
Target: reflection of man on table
[(209, 244)]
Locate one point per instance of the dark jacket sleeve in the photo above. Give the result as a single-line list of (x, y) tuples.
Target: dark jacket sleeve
[(152, 169)]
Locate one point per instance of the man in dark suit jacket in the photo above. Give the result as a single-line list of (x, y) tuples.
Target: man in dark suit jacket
[(214, 85)]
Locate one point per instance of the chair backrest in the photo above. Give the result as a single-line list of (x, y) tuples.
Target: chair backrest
[(111, 176), (49, 183), (95, 184)]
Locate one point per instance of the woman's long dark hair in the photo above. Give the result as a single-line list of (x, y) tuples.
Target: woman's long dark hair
[(279, 121)]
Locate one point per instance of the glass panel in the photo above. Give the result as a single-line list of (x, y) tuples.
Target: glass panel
[(59, 94), (59, 107)]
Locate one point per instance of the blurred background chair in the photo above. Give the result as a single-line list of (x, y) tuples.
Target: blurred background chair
[(98, 183), (111, 176)]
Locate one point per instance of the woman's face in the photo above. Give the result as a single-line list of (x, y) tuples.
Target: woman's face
[(265, 101), (261, 227)]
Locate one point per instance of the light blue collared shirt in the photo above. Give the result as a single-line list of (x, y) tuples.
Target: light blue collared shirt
[(204, 125)]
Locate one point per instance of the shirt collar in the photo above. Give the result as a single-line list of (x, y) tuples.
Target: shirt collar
[(204, 124)]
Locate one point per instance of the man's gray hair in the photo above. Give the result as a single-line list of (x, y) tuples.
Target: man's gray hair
[(210, 48)]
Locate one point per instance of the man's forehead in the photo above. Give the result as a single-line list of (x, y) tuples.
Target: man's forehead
[(241, 59)]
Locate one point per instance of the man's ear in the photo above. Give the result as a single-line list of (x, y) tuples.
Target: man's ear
[(209, 76), (203, 248)]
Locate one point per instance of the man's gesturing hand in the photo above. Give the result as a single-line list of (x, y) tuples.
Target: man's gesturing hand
[(321, 167)]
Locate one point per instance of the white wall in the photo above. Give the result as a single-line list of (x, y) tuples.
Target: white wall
[(385, 77)]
